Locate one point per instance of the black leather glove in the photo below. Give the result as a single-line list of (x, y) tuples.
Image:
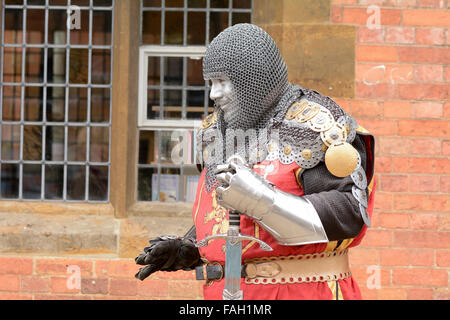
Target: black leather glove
[(168, 253)]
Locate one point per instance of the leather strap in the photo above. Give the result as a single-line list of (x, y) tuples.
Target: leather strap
[(317, 267)]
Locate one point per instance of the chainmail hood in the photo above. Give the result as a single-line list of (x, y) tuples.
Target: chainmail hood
[(250, 58)]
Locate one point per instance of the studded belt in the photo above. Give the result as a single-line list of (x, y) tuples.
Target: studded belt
[(316, 267)]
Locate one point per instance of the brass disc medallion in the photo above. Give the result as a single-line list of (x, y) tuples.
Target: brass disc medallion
[(322, 121), (307, 112), (337, 133), (341, 159)]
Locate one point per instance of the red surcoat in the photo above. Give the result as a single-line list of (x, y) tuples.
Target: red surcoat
[(210, 218)]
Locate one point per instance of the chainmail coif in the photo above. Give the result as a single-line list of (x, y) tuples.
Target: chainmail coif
[(250, 58)]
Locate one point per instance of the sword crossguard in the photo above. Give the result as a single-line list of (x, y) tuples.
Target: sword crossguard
[(233, 240)]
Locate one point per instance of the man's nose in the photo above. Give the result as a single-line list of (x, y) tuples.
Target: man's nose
[(216, 92)]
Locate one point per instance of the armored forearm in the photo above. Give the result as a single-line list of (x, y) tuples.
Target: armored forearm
[(291, 220)]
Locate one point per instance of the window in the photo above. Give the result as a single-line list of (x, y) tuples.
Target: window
[(173, 97), (56, 100)]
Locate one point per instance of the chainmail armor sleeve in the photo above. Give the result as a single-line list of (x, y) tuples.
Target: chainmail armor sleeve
[(332, 198)]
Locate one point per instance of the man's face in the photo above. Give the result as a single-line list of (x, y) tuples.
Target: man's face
[(223, 94)]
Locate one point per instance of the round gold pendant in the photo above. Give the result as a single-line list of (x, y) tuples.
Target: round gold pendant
[(341, 159)]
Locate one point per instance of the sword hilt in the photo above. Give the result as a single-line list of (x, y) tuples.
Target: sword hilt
[(233, 235), (234, 219)]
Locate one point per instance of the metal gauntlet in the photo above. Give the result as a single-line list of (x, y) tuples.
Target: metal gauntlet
[(292, 220)]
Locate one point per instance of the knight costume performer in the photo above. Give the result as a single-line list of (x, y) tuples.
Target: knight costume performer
[(286, 186)]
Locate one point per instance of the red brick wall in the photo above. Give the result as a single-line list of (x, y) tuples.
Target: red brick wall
[(54, 278), (402, 97)]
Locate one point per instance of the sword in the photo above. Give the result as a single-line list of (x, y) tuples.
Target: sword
[(233, 255)]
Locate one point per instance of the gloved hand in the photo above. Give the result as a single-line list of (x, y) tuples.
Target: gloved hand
[(168, 253)]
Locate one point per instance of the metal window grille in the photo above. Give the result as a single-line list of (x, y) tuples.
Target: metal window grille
[(55, 93), (173, 97)]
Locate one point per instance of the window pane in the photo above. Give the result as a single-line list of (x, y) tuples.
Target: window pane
[(152, 3), (32, 143), (166, 147), (172, 104), (175, 3), (11, 103), (100, 104), (35, 26), (54, 143), (12, 65), (101, 28), (153, 104), (31, 186), (173, 73), (219, 3), (147, 151), (242, 4), (174, 27), (54, 182), (78, 104), (195, 72), (79, 66), (103, 3), (151, 27), (154, 66), (196, 32), (218, 22), (10, 142), (190, 187), (195, 104), (172, 147), (196, 3), (240, 17), (99, 144), (34, 65), (81, 35), (56, 104), (56, 72), (98, 183), (145, 177), (58, 2), (10, 181), (169, 183), (76, 182), (33, 103), (101, 66), (81, 3), (36, 2), (13, 2), (76, 144), (13, 26)]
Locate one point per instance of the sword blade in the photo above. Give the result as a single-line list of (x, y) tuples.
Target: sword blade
[(233, 258)]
